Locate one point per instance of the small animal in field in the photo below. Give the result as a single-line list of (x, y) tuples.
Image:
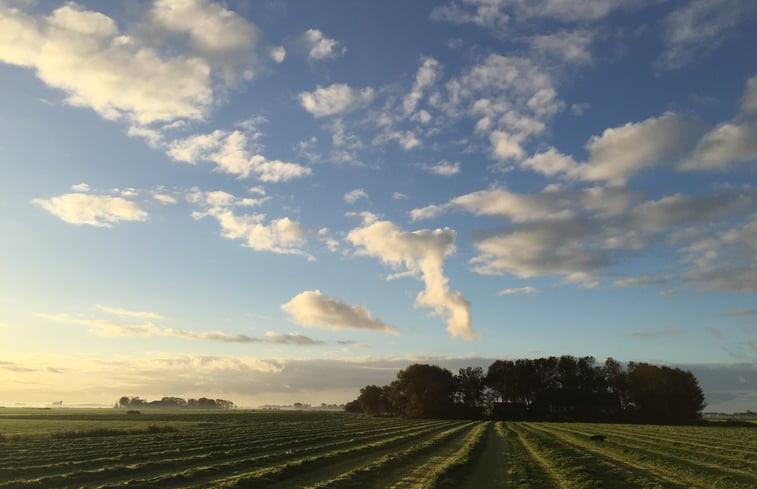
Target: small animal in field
[(597, 437)]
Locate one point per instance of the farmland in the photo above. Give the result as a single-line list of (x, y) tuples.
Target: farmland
[(287, 449)]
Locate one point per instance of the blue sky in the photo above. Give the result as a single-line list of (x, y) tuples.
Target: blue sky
[(244, 198)]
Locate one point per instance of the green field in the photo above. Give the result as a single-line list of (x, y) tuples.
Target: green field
[(287, 449)]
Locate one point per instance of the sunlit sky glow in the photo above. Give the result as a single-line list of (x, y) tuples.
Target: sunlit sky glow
[(284, 201)]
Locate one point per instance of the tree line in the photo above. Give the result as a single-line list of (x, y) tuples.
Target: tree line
[(565, 388), (175, 403)]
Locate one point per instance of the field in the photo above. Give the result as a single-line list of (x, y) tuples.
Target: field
[(245, 449)]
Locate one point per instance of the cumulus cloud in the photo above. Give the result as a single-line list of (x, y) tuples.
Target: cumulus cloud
[(726, 145), (426, 77), (726, 261), (164, 198), (80, 187), (564, 46), (283, 235), (277, 53), (217, 34), (320, 47), (234, 152), (355, 195), (512, 99), (567, 247), (520, 290), (443, 168), (621, 152), (550, 204), (420, 253), (92, 210), (83, 53), (680, 209), (335, 99), (313, 309), (698, 27)]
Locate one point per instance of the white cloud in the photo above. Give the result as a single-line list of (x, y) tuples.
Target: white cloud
[(277, 53), (567, 247), (422, 253), (282, 235), (425, 78), (399, 196), (105, 327), (234, 153), (520, 290), (335, 99), (117, 311), (506, 146), (551, 204), (217, 34), (93, 210), (564, 46), (313, 309), (726, 261), (551, 163), (164, 198), (621, 152), (443, 168), (80, 187), (83, 53), (698, 27), (355, 195), (320, 47), (724, 146), (686, 210), (512, 99), (497, 15)]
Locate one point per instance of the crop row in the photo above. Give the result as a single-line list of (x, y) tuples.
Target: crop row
[(153, 457), (575, 460)]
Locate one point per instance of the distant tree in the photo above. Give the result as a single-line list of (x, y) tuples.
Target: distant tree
[(372, 400), (616, 380), (663, 394), (469, 386), (424, 391), (353, 407)]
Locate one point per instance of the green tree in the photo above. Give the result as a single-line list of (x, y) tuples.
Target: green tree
[(423, 391)]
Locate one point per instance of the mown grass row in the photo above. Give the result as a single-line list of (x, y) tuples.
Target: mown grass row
[(666, 463), (173, 459)]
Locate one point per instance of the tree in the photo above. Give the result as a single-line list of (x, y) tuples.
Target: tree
[(423, 391), (372, 400), (469, 386), (663, 394)]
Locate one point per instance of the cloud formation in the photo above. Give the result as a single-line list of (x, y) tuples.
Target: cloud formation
[(419, 253), (335, 99), (620, 153), (283, 235), (520, 290), (320, 47), (235, 152), (696, 28), (104, 327), (312, 309), (83, 53), (92, 210)]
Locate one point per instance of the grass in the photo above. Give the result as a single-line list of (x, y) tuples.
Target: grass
[(103, 448)]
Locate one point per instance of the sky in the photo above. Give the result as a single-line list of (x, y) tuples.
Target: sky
[(277, 202)]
